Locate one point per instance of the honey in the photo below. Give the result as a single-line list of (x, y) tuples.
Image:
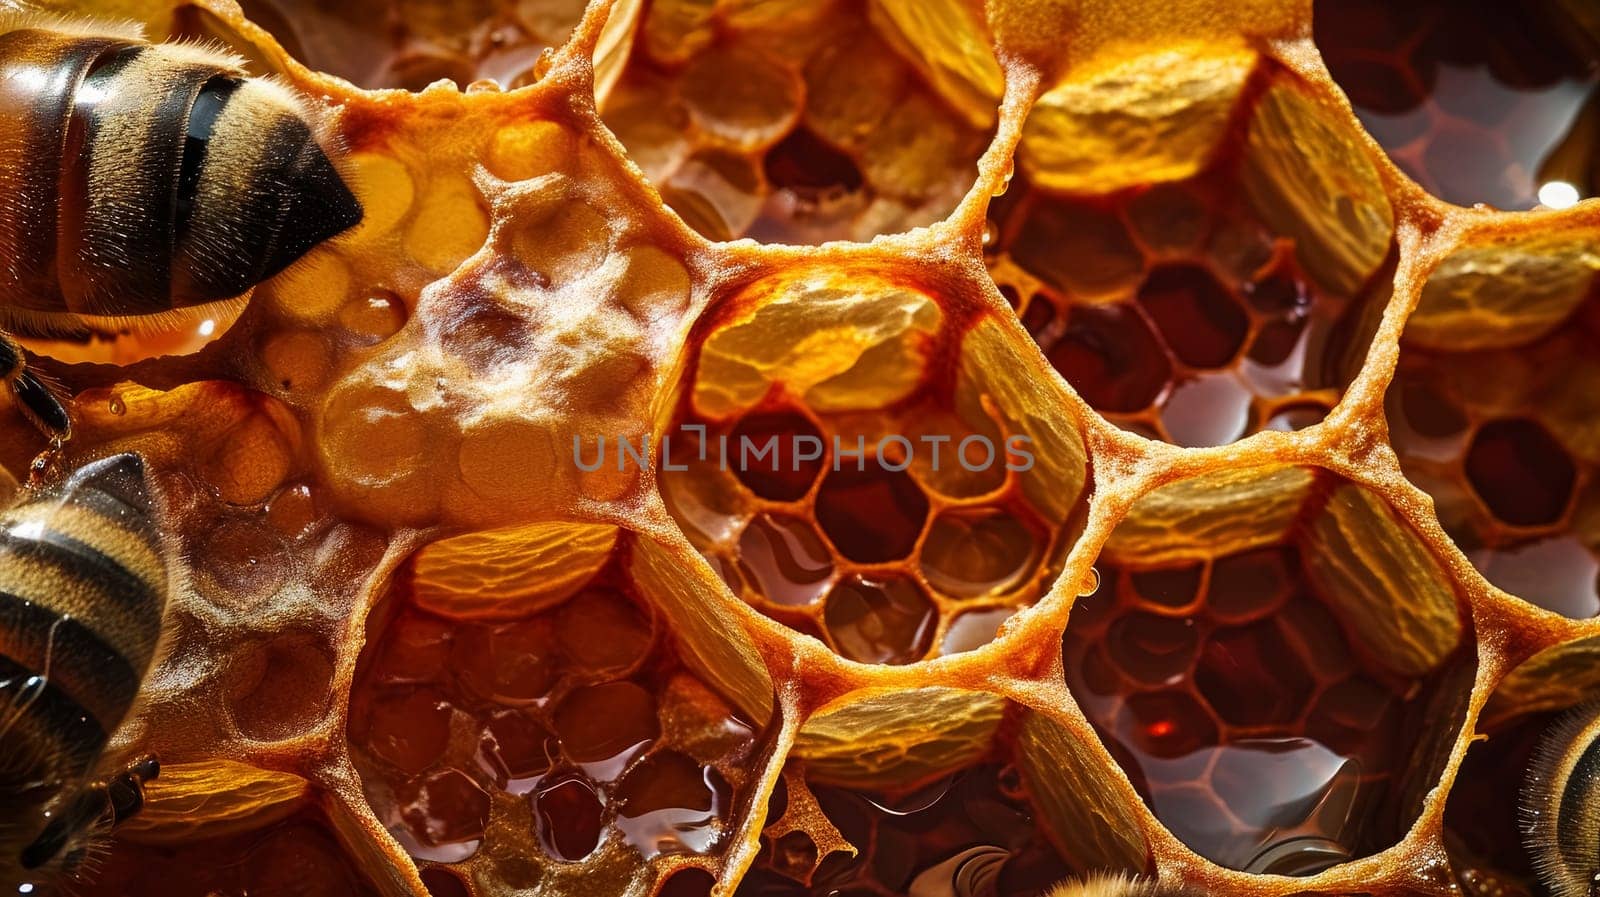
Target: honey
[(876, 447)]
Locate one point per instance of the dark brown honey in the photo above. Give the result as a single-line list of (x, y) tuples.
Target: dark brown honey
[(1173, 310), (558, 717), (970, 834), (1508, 464), (296, 857), (1259, 728)]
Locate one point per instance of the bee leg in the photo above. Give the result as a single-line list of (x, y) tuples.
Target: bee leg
[(125, 790), (111, 802), (34, 397)]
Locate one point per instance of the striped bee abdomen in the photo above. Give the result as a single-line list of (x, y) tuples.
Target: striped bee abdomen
[(1561, 805), (138, 178), (82, 589)]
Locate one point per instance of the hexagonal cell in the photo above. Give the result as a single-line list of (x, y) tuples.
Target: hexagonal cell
[(555, 729), (780, 465), (970, 832), (824, 124), (872, 516), (1212, 300), (1491, 411), (1245, 663), (785, 560), (1201, 322), (395, 43), (839, 488), (1477, 101), (885, 619), (298, 855), (971, 552)]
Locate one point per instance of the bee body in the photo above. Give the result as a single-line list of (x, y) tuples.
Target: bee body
[(34, 397), (1113, 885), (142, 178), (139, 180), (82, 591), (1561, 805)]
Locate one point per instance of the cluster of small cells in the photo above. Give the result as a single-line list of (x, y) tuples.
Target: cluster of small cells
[(576, 718), (790, 122), (1174, 310), (1480, 102), (884, 559), (1503, 439), (1257, 728)]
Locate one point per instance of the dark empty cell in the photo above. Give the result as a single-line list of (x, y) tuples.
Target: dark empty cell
[(1519, 470), (872, 515), (1151, 649), (1168, 586), (1039, 315), (1076, 248), (1277, 293), (1201, 321), (1095, 671), (810, 167), (1250, 583), (880, 620), (1251, 677), (1317, 636), (1377, 86), (1370, 27), (1111, 357), (777, 454), (1166, 724), (441, 882), (566, 814), (1481, 813), (1275, 342), (1350, 712), (1428, 412), (688, 883)]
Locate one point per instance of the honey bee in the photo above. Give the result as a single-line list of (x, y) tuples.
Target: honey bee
[(1109, 885), (83, 586), (142, 180), (1561, 805)]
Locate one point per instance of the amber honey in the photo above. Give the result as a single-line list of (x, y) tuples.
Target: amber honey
[(1294, 566)]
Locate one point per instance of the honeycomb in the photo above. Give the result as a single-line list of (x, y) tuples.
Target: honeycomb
[(1263, 548)]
